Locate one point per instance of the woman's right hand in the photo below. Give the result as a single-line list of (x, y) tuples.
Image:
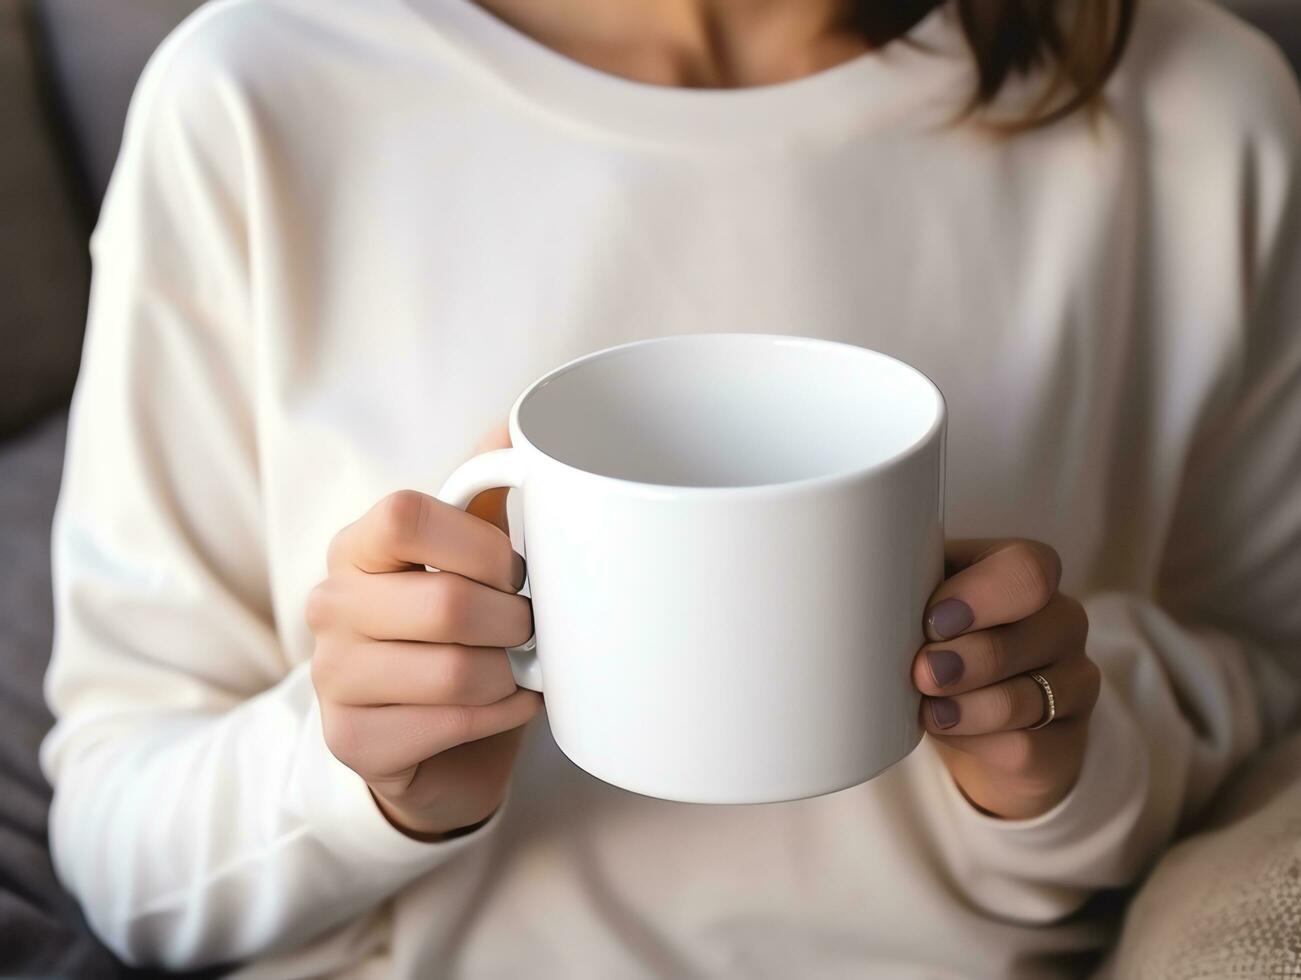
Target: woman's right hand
[(415, 689)]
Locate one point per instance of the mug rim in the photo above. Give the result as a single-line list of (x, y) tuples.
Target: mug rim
[(519, 440)]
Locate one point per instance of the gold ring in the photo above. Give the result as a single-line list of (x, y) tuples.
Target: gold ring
[(1048, 694)]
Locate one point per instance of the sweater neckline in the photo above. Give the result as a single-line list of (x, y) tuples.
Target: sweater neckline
[(926, 69)]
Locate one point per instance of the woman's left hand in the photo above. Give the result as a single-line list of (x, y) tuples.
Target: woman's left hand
[(995, 621)]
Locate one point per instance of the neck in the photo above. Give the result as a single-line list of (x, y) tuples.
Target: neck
[(710, 43)]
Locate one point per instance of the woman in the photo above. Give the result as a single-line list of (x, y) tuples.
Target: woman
[(343, 235)]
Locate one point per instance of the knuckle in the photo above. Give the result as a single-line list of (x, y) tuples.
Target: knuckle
[(1092, 682), (1032, 575), (341, 736), (318, 609), (447, 604), (1016, 751), (985, 652), (1002, 706), (401, 516), (457, 674), (326, 668), (1077, 620), (1050, 561), (337, 548)]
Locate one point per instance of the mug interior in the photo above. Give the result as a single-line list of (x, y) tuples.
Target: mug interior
[(729, 410)]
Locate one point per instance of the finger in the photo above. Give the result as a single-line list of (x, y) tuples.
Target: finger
[(398, 672), (380, 742), (960, 553), (984, 657), (430, 607), (1018, 752), (409, 529), (997, 583), (1016, 703)]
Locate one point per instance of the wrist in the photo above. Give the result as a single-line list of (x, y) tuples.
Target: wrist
[(1013, 806), (408, 827)]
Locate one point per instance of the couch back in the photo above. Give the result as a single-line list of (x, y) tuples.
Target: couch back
[(67, 69), (1280, 19), (96, 50)]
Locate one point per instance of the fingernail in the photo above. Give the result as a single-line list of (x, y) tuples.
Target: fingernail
[(945, 666), (949, 618), (519, 570), (944, 711)]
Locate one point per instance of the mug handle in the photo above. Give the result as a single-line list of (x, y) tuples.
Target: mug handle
[(489, 471)]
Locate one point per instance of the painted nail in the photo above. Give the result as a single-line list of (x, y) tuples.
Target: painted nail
[(519, 570), (949, 618), (944, 712), (945, 666)]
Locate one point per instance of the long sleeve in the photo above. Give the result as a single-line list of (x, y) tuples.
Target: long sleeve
[(1205, 667), (198, 815)]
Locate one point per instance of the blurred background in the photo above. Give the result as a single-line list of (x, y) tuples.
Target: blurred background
[(67, 69)]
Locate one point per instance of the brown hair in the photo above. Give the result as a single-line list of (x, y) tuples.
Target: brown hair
[(1073, 45)]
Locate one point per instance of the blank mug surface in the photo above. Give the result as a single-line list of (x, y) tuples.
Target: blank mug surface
[(731, 539)]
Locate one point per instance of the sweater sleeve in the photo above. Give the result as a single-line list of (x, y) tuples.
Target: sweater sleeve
[(1205, 668), (198, 814)]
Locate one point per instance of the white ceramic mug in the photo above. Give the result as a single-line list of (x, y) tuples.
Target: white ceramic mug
[(731, 539)]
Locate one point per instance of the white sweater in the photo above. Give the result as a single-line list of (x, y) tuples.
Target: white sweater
[(343, 234)]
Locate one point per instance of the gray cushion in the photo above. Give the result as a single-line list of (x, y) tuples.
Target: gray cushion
[(41, 931), (44, 268), (98, 48)]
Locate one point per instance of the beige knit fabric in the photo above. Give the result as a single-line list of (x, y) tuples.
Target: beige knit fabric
[(1226, 902)]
